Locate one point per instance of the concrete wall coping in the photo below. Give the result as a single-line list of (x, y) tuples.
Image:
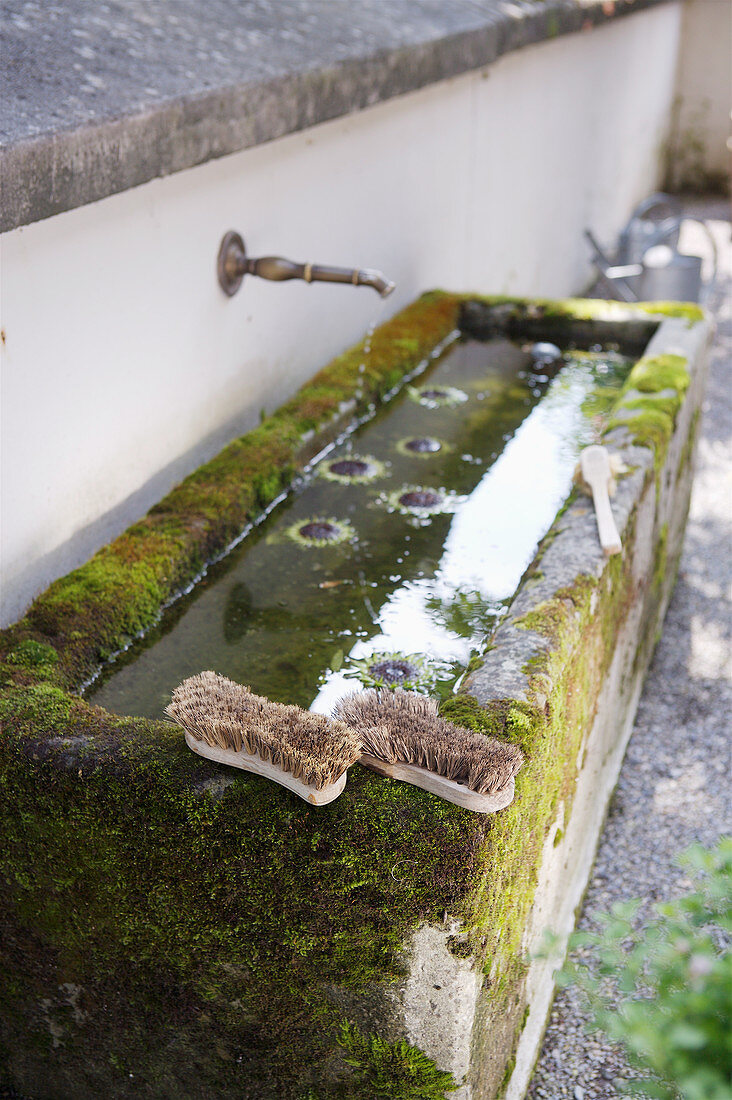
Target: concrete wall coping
[(99, 98)]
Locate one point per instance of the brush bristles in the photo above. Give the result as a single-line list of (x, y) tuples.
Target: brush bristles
[(315, 749), (402, 727)]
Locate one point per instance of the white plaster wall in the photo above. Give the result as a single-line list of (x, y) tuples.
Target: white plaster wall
[(124, 365), (704, 93)]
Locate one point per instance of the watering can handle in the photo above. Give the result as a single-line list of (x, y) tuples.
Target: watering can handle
[(614, 276), (655, 220), (658, 198)]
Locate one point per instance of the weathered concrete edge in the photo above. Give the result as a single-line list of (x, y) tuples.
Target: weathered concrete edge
[(656, 503), (440, 1006), (575, 551), (61, 171)]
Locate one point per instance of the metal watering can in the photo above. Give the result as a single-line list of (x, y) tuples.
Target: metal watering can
[(649, 266), (669, 276)]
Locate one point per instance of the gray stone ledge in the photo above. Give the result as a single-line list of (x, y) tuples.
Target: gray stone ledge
[(575, 550), (101, 97)]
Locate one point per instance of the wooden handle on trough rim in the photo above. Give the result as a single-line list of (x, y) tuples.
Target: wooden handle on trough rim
[(254, 763), (606, 526), (443, 787), (596, 471)]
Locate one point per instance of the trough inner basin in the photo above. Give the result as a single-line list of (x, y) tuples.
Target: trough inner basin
[(396, 553)]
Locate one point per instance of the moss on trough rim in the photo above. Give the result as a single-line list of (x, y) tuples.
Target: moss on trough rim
[(651, 398), (171, 920), (592, 309)]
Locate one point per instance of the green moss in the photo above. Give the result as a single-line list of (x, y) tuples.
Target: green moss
[(43, 705), (28, 662), (661, 560), (553, 617), (33, 654), (475, 662), (593, 309), (501, 899), (689, 310), (688, 451), (507, 1075), (548, 618), (510, 719), (388, 1071), (459, 947), (652, 417), (652, 429), (658, 373), (565, 308), (653, 403), (137, 885)]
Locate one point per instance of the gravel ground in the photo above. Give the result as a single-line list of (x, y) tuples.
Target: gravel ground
[(673, 789)]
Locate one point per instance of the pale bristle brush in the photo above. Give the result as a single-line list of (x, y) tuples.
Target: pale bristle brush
[(308, 754), (404, 737)]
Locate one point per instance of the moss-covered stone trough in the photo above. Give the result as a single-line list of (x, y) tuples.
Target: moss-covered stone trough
[(170, 930)]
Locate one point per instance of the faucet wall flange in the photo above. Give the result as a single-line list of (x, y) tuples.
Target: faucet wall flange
[(231, 263)]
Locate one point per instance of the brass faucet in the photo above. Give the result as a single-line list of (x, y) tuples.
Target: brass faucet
[(233, 264)]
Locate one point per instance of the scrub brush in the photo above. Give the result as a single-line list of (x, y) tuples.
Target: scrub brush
[(404, 737), (226, 722)]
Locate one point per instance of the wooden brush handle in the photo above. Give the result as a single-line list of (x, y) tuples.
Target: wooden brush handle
[(595, 466), (253, 763), (606, 526), (443, 787)]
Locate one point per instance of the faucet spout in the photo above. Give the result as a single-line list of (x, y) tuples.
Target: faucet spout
[(234, 264), (377, 280)]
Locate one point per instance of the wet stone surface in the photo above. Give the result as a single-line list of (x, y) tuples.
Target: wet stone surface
[(672, 788)]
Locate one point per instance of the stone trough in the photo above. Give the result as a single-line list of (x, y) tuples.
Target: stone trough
[(172, 932)]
